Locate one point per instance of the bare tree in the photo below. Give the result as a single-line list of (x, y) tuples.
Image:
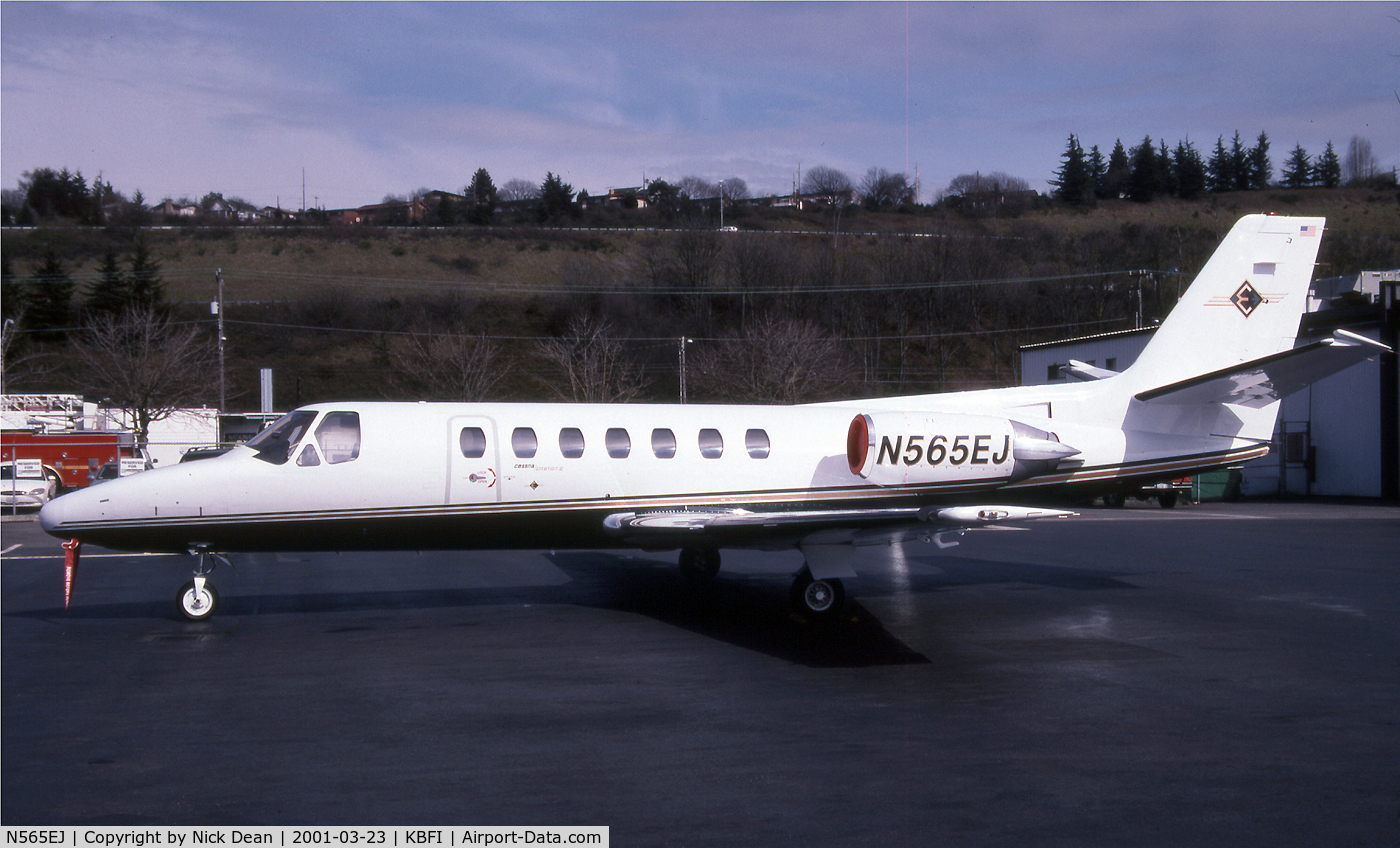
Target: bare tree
[(1359, 165), (832, 185), (450, 365), (21, 363), (696, 188), (147, 366), (593, 365), (518, 189), (775, 360), (735, 188), (881, 189)]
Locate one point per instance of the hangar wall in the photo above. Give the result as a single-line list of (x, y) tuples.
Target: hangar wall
[(1333, 438)]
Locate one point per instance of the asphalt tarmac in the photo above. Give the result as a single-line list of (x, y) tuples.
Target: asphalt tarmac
[(1208, 675)]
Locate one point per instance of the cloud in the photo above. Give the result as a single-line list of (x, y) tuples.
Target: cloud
[(371, 98)]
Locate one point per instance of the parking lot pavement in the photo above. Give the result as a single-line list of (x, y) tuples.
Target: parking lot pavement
[(1209, 675)]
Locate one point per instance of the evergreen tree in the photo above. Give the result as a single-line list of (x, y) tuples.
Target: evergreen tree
[(1166, 171), (1072, 182), (446, 212), (10, 293), (147, 290), (556, 198), (481, 195), (1115, 180), (1297, 171), (1098, 170), (1190, 171), (111, 293), (1328, 171), (62, 194), (48, 297), (1220, 172), (1261, 169), (1239, 164), (1143, 182)]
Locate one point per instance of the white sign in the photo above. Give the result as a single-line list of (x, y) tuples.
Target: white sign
[(29, 469)]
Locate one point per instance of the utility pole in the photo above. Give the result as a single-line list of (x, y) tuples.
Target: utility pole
[(721, 204), (219, 311), (684, 341)]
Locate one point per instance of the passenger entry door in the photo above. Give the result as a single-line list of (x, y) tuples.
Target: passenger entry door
[(473, 461)]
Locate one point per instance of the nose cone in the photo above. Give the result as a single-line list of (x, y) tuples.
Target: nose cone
[(53, 514)]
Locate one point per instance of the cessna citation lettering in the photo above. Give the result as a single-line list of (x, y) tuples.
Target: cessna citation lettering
[(823, 478)]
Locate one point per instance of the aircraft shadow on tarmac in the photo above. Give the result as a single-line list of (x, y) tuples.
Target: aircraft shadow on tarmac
[(746, 610)]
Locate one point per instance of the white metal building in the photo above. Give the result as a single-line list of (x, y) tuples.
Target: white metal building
[(1339, 437)]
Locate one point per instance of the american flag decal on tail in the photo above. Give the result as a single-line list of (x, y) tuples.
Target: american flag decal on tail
[(1308, 230)]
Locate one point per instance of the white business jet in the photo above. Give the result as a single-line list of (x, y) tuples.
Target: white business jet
[(824, 478)]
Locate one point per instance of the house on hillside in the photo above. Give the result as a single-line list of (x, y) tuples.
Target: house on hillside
[(344, 216), (168, 209), (397, 213)]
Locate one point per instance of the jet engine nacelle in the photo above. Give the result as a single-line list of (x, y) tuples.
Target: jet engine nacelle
[(913, 448)]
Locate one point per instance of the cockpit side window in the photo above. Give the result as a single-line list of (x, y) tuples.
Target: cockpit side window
[(339, 436), (275, 444), (308, 457)]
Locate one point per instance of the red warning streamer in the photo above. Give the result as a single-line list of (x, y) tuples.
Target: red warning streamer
[(71, 549)]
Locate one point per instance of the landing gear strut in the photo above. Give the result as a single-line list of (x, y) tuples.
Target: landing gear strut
[(819, 600), (197, 598)]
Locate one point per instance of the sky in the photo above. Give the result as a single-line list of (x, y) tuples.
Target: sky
[(371, 99)]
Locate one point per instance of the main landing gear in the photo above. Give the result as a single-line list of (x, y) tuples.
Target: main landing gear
[(198, 600), (813, 599), (819, 600), (699, 564)]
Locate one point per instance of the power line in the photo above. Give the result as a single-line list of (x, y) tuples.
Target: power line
[(496, 288)]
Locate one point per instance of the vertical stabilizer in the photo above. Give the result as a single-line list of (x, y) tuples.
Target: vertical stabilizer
[(1244, 305)]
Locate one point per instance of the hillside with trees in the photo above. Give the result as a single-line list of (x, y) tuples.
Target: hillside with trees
[(857, 291)]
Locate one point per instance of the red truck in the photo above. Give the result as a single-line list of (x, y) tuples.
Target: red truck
[(68, 455)]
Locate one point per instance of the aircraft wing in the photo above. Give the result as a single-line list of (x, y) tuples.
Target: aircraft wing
[(715, 526), (1260, 382)]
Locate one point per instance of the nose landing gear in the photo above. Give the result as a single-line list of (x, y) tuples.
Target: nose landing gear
[(198, 599)]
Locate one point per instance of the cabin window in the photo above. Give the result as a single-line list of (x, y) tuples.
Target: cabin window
[(711, 444), (339, 436), (663, 443), (571, 442), (472, 442), (523, 442), (618, 443), (309, 458), (275, 444), (1052, 372), (756, 442)]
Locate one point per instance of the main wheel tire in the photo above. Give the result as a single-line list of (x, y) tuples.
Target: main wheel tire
[(197, 606), (699, 564), (1167, 499), (817, 599), (1115, 500)]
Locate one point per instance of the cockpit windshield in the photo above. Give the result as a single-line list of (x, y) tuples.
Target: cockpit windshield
[(275, 443)]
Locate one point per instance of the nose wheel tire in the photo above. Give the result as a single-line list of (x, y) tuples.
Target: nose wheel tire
[(197, 603), (817, 599)]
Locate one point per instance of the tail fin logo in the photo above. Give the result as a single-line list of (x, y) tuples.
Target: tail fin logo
[(1246, 299)]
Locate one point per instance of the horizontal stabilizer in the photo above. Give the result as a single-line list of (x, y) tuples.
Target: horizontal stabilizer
[(1263, 381), (1084, 371)]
